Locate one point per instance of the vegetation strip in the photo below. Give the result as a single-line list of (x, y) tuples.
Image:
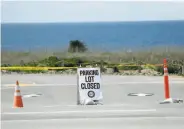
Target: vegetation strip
[(35, 68)]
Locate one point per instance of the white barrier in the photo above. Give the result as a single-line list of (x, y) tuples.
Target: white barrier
[(89, 86)]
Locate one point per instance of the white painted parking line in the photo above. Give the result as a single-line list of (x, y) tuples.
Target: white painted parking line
[(107, 105), (97, 119), (78, 111), (52, 84), (61, 106), (6, 88)]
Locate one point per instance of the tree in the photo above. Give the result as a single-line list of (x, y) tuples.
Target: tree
[(76, 46)]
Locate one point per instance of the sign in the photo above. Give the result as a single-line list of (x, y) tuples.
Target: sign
[(89, 84)]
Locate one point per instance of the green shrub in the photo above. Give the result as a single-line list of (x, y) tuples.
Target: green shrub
[(159, 69), (69, 64), (115, 69), (33, 71), (172, 69), (5, 65), (18, 71), (31, 64), (150, 67), (73, 62), (51, 61), (129, 67), (112, 65)]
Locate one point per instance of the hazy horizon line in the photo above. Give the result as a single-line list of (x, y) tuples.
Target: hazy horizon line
[(91, 21)]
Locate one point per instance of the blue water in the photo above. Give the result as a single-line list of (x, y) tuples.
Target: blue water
[(105, 36)]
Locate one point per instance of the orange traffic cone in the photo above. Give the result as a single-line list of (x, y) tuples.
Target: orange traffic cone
[(168, 99), (166, 80), (17, 97)]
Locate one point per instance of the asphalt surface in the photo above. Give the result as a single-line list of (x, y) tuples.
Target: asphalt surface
[(55, 106)]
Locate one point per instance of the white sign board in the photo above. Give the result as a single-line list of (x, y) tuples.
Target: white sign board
[(89, 84)]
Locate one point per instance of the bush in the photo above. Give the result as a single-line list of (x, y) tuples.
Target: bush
[(33, 71), (70, 64), (73, 62), (51, 61), (112, 65), (115, 70), (31, 64), (148, 66), (172, 69), (129, 67), (5, 65), (160, 69)]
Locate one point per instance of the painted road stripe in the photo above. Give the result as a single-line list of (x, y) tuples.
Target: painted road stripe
[(57, 84), (9, 85), (6, 88), (79, 111), (20, 84), (98, 119), (107, 105), (61, 106)]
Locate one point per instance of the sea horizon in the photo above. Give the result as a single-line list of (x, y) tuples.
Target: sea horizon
[(105, 36)]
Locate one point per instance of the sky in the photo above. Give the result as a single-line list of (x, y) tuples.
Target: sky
[(89, 11)]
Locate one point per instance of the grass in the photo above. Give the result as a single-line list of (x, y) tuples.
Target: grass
[(149, 56), (175, 56)]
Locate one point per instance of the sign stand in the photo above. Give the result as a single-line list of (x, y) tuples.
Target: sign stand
[(78, 97)]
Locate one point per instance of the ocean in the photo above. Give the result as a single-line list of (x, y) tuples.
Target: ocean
[(97, 36)]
